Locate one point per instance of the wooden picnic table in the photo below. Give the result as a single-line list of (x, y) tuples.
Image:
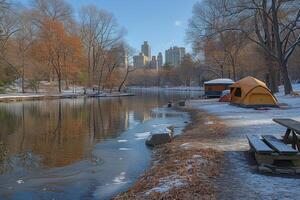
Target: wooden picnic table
[(293, 129)]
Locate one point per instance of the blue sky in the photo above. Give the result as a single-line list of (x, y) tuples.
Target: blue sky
[(161, 22)]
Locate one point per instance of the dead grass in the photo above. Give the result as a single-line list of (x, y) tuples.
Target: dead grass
[(187, 159)]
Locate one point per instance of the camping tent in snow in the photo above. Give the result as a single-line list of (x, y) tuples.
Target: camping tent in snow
[(215, 87), (251, 92)]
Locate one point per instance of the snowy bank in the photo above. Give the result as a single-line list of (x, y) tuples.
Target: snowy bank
[(64, 95), (250, 120), (180, 88), (239, 178)]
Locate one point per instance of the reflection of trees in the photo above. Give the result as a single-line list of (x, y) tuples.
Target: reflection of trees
[(61, 132), (8, 122), (106, 119), (5, 163), (64, 140)]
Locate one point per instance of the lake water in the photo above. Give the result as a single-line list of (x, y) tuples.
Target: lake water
[(80, 148)]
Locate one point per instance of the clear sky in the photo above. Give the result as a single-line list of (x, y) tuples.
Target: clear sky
[(161, 22)]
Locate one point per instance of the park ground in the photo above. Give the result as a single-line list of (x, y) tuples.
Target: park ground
[(210, 160)]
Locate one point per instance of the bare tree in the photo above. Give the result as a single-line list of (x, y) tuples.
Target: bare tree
[(8, 27), (274, 24), (100, 33), (129, 68), (220, 48), (56, 10), (271, 24), (24, 39)]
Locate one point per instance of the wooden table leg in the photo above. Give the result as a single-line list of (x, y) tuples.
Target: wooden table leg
[(286, 136), (296, 140)]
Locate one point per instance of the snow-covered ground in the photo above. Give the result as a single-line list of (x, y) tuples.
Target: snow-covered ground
[(251, 121), (240, 180), (179, 88)]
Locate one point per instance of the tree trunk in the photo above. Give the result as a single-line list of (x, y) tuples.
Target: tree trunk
[(89, 67), (272, 74), (23, 73), (279, 46), (59, 84), (286, 79), (123, 81)]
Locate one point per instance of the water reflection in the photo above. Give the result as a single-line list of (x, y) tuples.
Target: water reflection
[(44, 135)]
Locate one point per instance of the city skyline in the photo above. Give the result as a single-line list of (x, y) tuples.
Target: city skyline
[(172, 56), (170, 24)]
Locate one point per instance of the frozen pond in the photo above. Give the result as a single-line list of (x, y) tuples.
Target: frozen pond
[(80, 148)]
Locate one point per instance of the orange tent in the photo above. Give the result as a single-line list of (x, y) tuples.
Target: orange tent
[(251, 92)]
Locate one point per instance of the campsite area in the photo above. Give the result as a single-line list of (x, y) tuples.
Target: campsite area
[(211, 159), (240, 171)]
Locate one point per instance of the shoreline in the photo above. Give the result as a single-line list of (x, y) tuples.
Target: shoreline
[(182, 89), (6, 98), (187, 167)]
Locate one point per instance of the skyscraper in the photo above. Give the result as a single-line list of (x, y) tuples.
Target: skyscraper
[(122, 57), (174, 55), (153, 64), (140, 60), (146, 50), (169, 56), (159, 60)]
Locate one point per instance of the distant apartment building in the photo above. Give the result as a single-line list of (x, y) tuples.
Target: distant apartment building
[(146, 49), (160, 60), (153, 63), (140, 60), (123, 58), (174, 55), (169, 56)]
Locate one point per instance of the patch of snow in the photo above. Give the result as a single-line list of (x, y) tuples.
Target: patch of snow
[(125, 149), (20, 181), (167, 183), (141, 136), (122, 141), (197, 156), (161, 125), (220, 80), (186, 145), (161, 131), (120, 178), (180, 88), (209, 123)]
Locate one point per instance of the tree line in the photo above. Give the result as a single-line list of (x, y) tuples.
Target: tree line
[(43, 41), (248, 37)]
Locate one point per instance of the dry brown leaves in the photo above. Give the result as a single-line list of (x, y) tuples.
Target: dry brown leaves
[(195, 165)]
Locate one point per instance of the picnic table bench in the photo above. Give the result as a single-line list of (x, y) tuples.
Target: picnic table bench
[(269, 149)]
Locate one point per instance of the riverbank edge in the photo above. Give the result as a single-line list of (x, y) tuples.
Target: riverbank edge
[(187, 167), (37, 97)]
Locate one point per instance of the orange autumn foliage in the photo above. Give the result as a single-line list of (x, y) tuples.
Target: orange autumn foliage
[(60, 49)]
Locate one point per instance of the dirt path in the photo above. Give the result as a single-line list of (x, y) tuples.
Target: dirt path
[(187, 167)]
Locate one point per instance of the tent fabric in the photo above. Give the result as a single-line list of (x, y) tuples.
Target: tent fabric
[(225, 98), (252, 92)]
